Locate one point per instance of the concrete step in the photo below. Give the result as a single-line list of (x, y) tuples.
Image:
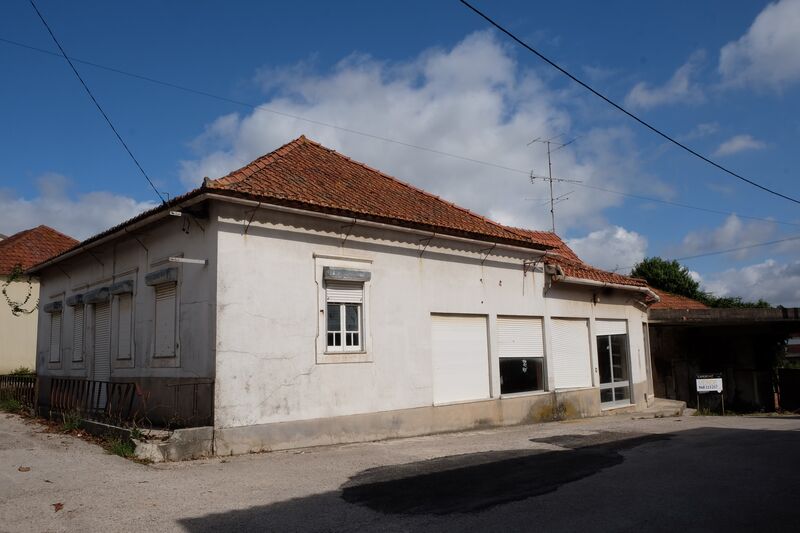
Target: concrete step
[(663, 408)]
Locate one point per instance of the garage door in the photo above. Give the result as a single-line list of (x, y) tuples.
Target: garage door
[(571, 356), (460, 358)]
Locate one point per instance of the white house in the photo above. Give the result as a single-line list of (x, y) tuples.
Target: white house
[(329, 302)]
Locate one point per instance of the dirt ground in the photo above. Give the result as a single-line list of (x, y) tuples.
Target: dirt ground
[(605, 474)]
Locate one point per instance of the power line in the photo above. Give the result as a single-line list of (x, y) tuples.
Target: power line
[(96, 103), (623, 110), (727, 251), (373, 136)]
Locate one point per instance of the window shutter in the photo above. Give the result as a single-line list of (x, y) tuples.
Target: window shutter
[(520, 337), (77, 333), (124, 326), (610, 327), (102, 341), (343, 292), (165, 320), (55, 337), (571, 359)]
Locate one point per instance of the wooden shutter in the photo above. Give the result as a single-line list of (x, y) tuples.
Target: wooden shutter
[(55, 337), (610, 327), (77, 333), (124, 323), (102, 342), (344, 292), (571, 359), (165, 322), (520, 337)]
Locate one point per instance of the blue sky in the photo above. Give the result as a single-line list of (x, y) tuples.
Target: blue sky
[(722, 76)]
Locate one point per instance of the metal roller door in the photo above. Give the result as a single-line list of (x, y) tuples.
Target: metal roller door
[(571, 353), (519, 337), (460, 358)]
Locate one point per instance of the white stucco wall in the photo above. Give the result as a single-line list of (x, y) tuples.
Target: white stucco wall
[(268, 307), (18, 333), (132, 257)]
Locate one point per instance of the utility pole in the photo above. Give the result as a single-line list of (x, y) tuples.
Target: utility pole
[(553, 199)]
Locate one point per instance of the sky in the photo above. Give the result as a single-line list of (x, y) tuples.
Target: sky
[(720, 76)]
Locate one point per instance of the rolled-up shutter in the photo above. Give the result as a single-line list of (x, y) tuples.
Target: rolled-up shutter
[(520, 337), (571, 359), (55, 337), (610, 327), (102, 342), (165, 320), (343, 292), (460, 358)]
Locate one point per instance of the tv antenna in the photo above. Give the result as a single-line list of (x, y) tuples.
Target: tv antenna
[(553, 199)]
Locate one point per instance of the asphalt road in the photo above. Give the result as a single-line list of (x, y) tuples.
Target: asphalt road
[(606, 474)]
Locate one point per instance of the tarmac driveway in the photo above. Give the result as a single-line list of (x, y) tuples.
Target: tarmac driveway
[(605, 474)]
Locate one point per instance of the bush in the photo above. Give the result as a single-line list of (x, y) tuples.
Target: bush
[(123, 448), (10, 405), (22, 371)]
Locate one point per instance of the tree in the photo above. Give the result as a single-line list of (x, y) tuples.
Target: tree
[(668, 276), (673, 277)]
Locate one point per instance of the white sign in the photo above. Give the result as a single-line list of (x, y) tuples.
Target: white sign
[(709, 385)]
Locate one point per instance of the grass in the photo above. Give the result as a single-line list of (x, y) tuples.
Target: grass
[(124, 448), (71, 421), (10, 405)]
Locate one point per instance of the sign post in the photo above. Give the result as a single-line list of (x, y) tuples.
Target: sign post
[(706, 383)]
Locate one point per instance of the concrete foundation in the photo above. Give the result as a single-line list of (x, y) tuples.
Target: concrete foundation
[(509, 411), (182, 444)]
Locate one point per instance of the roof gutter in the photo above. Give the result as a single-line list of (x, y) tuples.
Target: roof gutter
[(379, 225), (593, 283)]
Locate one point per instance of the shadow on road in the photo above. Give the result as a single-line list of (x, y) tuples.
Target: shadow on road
[(739, 462)]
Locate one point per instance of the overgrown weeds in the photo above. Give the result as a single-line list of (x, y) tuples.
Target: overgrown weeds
[(11, 405), (122, 447), (71, 421)]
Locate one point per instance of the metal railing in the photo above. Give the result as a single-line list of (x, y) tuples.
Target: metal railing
[(21, 388), (102, 400)]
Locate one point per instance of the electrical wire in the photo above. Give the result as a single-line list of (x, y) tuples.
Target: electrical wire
[(623, 110), (96, 103), (378, 137)]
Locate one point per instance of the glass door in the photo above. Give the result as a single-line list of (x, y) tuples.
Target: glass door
[(612, 355)]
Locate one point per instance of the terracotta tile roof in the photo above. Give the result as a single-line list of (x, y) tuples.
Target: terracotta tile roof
[(307, 175), (675, 301), (572, 265), (32, 246)]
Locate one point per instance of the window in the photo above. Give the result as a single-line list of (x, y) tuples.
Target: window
[(520, 345), (165, 320), (344, 316), (55, 337), (77, 333)]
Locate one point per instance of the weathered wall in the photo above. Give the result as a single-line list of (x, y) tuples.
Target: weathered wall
[(268, 304), (131, 258), (18, 333)]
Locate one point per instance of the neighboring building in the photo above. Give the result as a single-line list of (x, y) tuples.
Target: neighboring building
[(329, 302), (743, 345), (18, 330)]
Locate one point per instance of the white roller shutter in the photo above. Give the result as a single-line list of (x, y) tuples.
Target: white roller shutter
[(77, 333), (343, 292), (55, 337), (460, 358), (520, 337), (610, 327), (571, 359), (166, 294), (102, 342), (124, 321)]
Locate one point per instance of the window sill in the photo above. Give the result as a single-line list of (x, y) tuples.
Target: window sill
[(343, 357), (524, 393)]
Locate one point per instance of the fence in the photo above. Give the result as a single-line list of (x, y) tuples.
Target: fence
[(21, 388), (102, 400)]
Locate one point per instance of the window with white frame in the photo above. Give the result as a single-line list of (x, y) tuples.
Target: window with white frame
[(344, 316)]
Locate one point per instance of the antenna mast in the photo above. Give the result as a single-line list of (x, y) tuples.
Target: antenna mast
[(550, 178)]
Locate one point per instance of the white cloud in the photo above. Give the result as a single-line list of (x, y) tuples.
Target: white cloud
[(472, 99), (610, 248), (701, 130), (678, 89), (767, 55), (777, 283), (732, 233), (739, 143), (78, 217)]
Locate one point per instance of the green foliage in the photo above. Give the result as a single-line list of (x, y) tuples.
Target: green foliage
[(71, 421), (22, 371), (18, 308), (673, 277), (10, 405), (123, 448), (136, 433)]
